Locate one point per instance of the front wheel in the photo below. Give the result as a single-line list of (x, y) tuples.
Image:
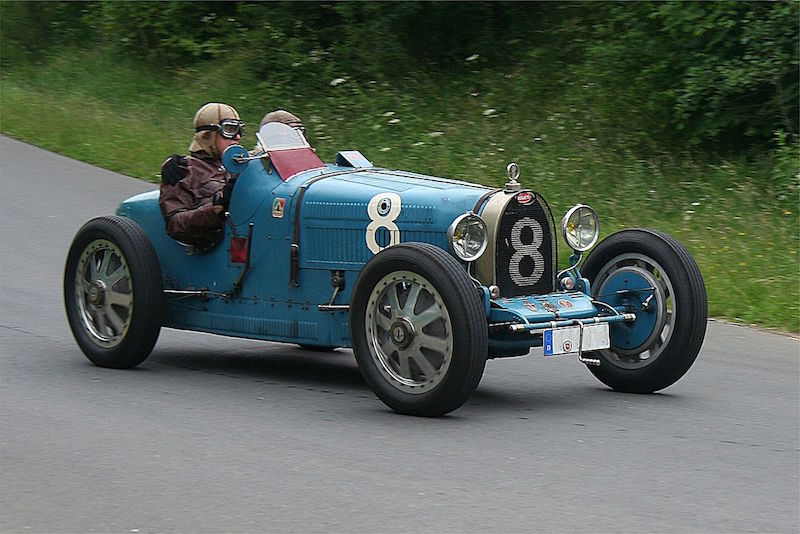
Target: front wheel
[(112, 292), (654, 276), (418, 329)]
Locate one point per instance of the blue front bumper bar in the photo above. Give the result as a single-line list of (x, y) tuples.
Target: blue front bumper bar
[(535, 328)]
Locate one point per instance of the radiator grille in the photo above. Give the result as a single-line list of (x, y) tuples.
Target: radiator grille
[(526, 256)]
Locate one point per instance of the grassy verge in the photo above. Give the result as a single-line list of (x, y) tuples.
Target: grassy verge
[(728, 213)]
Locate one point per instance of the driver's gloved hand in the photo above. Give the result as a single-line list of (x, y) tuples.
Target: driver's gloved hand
[(174, 169), (223, 198)]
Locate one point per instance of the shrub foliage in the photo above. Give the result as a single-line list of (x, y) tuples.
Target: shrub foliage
[(718, 74)]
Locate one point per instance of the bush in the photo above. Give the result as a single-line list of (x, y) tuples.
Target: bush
[(724, 73), (29, 31), (721, 75), (786, 172)]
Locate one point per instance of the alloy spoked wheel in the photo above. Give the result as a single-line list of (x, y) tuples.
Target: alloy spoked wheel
[(410, 333), (418, 329), (112, 292), (103, 292)]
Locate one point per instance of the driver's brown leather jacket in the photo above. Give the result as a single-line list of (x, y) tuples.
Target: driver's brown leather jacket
[(187, 205)]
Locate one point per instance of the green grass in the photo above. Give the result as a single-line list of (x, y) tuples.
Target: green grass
[(729, 214)]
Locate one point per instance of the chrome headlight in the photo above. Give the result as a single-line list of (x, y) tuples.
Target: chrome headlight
[(580, 227), (468, 236)]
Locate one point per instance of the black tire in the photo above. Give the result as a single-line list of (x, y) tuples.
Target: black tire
[(657, 349), (113, 292), (424, 356)]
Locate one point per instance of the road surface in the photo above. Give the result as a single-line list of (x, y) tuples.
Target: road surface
[(213, 434)]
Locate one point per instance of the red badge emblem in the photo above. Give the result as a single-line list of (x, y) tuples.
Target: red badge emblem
[(278, 207), (564, 303), (525, 197)]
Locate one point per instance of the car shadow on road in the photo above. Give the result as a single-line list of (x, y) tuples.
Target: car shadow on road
[(558, 398), (337, 370), (291, 365)]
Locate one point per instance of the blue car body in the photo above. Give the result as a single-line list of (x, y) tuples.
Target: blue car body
[(424, 277), (330, 208)]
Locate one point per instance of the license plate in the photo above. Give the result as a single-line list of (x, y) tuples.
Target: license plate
[(565, 340)]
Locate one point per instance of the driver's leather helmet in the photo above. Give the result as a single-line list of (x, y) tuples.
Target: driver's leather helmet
[(211, 113)]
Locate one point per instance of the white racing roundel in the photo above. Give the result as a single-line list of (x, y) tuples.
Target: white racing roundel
[(383, 209)]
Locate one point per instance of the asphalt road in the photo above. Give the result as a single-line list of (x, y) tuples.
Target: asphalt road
[(214, 434)]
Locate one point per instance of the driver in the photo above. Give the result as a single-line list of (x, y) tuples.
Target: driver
[(196, 190)]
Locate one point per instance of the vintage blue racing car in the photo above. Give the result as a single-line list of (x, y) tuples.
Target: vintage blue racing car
[(424, 277)]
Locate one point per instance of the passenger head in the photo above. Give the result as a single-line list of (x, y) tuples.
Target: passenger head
[(286, 118), (217, 126)]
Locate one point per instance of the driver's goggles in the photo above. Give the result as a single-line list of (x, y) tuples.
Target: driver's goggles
[(227, 128)]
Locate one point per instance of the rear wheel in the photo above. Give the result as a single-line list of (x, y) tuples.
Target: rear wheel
[(112, 292), (654, 276), (418, 329)]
